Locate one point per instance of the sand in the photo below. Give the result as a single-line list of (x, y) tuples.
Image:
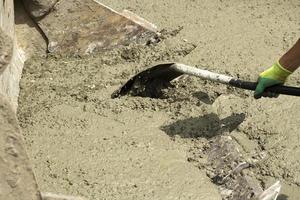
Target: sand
[(82, 142)]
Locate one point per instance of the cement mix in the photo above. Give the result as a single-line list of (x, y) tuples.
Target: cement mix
[(84, 143)]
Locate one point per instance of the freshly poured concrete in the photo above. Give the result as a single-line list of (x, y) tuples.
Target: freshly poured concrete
[(82, 142)]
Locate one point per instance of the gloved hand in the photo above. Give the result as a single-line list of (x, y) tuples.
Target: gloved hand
[(276, 75)]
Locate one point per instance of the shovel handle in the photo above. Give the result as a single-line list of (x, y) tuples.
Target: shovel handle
[(278, 89), (220, 78)]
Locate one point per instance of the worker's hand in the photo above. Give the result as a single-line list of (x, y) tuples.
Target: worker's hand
[(276, 75)]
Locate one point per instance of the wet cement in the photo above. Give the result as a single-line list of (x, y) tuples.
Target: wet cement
[(83, 142)]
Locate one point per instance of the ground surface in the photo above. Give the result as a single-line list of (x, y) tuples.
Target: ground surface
[(83, 142)]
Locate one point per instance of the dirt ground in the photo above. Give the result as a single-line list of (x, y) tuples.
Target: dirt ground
[(82, 142)]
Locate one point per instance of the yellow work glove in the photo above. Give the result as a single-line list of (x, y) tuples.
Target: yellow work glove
[(275, 75)]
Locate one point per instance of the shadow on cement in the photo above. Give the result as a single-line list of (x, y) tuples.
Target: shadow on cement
[(204, 97), (31, 38), (282, 197), (21, 16), (206, 126)]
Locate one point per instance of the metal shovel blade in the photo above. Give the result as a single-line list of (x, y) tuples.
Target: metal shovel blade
[(149, 82)]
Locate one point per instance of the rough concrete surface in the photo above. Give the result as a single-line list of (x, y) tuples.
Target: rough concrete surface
[(84, 143), (113, 155), (16, 177)]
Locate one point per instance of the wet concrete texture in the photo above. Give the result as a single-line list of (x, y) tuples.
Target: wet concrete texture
[(82, 142)]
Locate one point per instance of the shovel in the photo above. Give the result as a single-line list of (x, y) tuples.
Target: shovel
[(151, 81)]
